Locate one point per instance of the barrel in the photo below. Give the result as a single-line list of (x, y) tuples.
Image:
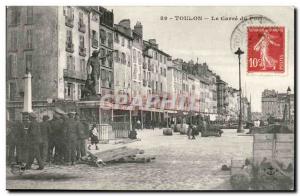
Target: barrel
[(167, 131), (183, 130)]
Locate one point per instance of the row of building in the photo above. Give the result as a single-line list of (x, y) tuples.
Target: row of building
[(54, 43), (277, 105)]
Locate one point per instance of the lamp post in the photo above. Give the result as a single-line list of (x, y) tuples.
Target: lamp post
[(288, 93), (239, 52)]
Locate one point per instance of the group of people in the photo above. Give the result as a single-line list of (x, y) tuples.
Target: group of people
[(61, 140)]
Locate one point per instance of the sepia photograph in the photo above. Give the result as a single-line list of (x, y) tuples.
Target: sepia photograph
[(150, 98)]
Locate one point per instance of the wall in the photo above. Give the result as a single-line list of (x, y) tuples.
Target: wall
[(44, 52)]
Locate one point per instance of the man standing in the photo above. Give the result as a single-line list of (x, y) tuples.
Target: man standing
[(57, 137), (45, 130), (34, 141), (80, 146), (71, 133)]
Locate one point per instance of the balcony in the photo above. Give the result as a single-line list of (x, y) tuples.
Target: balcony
[(95, 43), (69, 47), (82, 51), (81, 27), (69, 22), (68, 73)]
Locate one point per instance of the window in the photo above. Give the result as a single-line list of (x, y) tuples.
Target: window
[(69, 36), (69, 90), (110, 40), (129, 44), (94, 35), (123, 60), (15, 15), (70, 62), (103, 56), (117, 37), (29, 16), (94, 16), (82, 65), (160, 58), (12, 91), (94, 39), (103, 36), (139, 58), (106, 78), (81, 41), (129, 59), (28, 60), (11, 65), (110, 60), (80, 87), (69, 12), (134, 56), (80, 18), (155, 55), (165, 60), (117, 56), (29, 39), (123, 41), (14, 40)]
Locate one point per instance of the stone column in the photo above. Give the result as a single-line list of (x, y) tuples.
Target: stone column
[(27, 93)]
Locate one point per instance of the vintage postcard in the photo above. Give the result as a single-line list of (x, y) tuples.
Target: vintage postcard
[(150, 98)]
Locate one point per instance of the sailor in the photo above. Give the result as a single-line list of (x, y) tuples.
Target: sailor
[(82, 136), (34, 141), (71, 135), (57, 136), (45, 130)]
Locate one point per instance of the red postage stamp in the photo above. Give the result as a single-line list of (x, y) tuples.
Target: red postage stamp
[(266, 49)]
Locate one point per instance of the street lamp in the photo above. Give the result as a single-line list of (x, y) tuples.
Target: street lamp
[(288, 92), (239, 52)]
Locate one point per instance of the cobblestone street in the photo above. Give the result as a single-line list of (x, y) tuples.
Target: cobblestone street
[(180, 164)]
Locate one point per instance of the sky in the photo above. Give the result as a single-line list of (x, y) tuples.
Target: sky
[(210, 41)]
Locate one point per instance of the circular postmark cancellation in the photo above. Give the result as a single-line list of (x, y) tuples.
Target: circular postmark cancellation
[(238, 37)]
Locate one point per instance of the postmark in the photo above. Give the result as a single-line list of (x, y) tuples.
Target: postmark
[(238, 37), (266, 49)]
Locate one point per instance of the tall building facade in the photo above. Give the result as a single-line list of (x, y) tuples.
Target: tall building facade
[(274, 104), (54, 44), (106, 30)]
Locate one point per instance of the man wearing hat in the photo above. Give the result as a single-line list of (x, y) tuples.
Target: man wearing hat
[(56, 136), (71, 133), (34, 141), (45, 131), (81, 145)]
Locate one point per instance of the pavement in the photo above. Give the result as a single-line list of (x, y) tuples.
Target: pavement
[(180, 164)]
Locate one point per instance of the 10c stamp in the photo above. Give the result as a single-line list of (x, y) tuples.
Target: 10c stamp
[(266, 49)]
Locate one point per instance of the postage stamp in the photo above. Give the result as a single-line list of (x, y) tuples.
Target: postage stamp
[(266, 49)]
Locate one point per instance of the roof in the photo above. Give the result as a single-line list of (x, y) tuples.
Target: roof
[(154, 48)]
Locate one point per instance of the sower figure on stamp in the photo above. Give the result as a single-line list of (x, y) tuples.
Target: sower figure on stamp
[(263, 47)]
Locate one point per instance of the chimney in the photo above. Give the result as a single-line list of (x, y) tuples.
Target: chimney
[(138, 28), (153, 43), (125, 23)]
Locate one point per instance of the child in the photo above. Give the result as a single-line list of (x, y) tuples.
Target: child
[(94, 137)]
